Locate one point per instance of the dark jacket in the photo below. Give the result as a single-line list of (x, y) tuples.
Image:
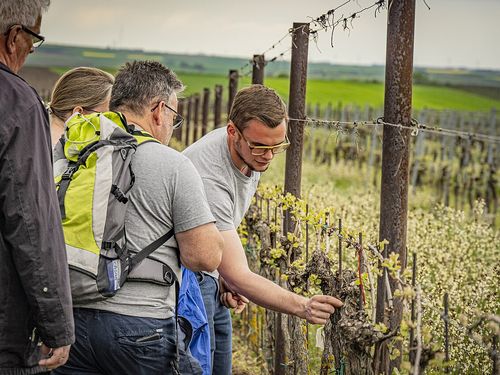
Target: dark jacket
[(35, 297)]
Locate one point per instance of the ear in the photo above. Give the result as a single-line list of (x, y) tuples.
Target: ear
[(78, 109), (231, 131), (156, 115), (12, 38)]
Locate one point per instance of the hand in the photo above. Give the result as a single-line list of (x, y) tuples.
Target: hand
[(319, 308), (231, 299), (55, 357), (234, 301)]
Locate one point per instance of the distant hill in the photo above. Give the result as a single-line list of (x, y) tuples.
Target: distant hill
[(63, 57)]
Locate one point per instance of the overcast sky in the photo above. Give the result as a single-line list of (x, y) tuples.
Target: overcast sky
[(453, 33)]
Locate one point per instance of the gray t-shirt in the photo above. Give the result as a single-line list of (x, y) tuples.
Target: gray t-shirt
[(167, 190), (229, 192)]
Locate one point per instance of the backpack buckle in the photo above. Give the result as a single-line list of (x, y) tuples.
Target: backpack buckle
[(68, 173)]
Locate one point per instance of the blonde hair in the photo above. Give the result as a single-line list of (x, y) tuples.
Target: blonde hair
[(83, 86)]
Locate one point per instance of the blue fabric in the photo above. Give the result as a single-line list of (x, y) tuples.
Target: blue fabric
[(219, 321), (192, 308)]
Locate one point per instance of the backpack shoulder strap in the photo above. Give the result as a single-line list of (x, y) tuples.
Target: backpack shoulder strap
[(144, 253)]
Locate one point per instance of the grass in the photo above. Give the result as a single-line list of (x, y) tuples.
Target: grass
[(355, 93)]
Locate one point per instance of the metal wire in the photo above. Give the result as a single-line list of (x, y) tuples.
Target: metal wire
[(415, 127)]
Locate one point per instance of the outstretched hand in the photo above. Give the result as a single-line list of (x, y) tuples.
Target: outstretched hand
[(54, 357), (319, 308)]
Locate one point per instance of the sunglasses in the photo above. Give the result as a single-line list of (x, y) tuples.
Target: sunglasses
[(178, 120), (261, 150), (36, 39)]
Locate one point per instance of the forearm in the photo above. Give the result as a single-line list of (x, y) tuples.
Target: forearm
[(266, 293)]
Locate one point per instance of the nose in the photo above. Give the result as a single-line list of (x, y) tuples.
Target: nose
[(268, 155)]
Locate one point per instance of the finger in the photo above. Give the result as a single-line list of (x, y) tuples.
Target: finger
[(53, 362), (242, 298), (228, 300), (314, 320), (328, 299), (241, 306), (233, 302), (320, 314)]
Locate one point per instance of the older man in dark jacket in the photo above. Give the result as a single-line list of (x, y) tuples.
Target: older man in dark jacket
[(36, 322)]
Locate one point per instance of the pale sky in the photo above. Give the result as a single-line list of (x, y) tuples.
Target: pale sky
[(453, 33)]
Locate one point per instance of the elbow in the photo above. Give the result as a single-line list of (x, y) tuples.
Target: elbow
[(209, 255), (214, 255)]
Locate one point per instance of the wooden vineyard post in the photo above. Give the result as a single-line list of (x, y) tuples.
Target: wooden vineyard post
[(204, 112), (232, 89), (395, 155), (188, 120), (293, 170), (258, 69), (196, 120), (178, 132), (218, 107)]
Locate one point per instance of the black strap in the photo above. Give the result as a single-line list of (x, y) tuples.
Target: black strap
[(144, 253), (63, 186)]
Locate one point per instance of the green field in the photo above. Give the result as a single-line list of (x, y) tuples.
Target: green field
[(355, 92)]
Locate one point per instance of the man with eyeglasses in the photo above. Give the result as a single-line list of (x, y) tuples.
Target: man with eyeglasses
[(36, 320), (134, 332), (230, 161)]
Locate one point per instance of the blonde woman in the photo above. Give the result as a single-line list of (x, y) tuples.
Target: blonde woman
[(83, 90)]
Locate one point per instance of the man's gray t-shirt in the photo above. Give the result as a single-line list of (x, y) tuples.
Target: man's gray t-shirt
[(167, 192), (229, 192)]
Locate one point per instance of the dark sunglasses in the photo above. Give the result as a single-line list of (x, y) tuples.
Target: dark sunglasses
[(178, 120)]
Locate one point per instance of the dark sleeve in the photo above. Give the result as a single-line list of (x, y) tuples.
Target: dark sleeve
[(31, 225)]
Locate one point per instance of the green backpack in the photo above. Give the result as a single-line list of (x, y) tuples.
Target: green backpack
[(93, 174)]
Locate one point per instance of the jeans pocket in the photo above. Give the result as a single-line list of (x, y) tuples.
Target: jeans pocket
[(144, 353), (147, 339)]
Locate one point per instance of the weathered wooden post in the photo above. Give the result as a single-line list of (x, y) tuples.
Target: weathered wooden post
[(204, 111), (178, 132), (188, 120), (196, 120), (395, 155), (218, 106), (293, 172), (258, 69), (233, 88)]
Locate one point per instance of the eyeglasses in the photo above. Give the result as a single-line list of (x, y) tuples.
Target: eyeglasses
[(261, 150), (178, 120), (36, 39)]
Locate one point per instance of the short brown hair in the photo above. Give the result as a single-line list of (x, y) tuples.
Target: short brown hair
[(83, 86), (257, 102)]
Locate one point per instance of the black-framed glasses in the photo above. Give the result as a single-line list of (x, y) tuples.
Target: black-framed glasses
[(36, 39), (261, 150), (178, 120)]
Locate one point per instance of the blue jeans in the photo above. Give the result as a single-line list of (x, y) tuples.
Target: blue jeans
[(219, 321), (109, 343)]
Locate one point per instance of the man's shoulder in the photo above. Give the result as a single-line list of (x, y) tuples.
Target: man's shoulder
[(157, 151), (16, 95), (207, 145), (159, 159)]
